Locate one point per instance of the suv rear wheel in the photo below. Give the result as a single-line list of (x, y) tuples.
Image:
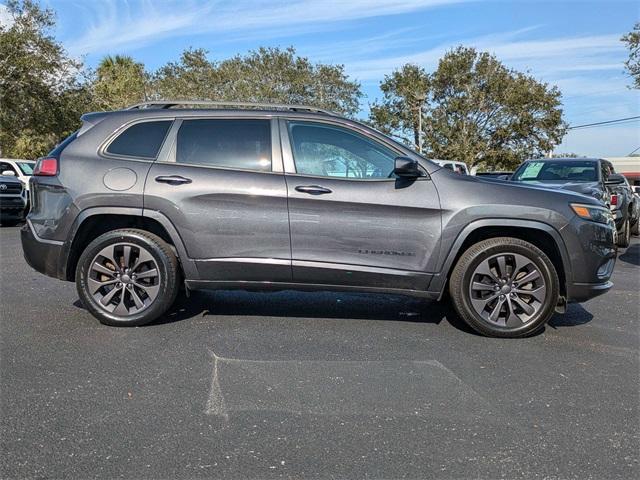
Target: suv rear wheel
[(504, 287), (127, 277)]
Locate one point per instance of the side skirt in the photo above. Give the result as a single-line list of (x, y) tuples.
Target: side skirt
[(278, 286)]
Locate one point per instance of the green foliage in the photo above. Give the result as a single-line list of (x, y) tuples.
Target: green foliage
[(119, 82), (476, 110), (472, 108), (265, 75), (405, 97), (41, 92), (632, 39)]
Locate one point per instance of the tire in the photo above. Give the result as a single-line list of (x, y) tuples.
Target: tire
[(149, 287), (635, 229), (624, 237), (476, 295)]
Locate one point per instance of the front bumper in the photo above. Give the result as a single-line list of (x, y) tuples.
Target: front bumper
[(43, 256), (592, 255), (11, 207), (581, 292)]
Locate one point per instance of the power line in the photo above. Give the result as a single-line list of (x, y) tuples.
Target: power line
[(634, 151), (608, 122)]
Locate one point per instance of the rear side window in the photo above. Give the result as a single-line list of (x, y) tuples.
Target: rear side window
[(241, 144), (140, 140)]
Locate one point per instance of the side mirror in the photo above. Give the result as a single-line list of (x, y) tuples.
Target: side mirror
[(407, 168), (636, 189), (9, 173), (615, 179)]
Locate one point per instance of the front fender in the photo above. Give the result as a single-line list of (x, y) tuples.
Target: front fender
[(448, 256)]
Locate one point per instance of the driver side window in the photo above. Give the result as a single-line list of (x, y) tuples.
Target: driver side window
[(328, 151)]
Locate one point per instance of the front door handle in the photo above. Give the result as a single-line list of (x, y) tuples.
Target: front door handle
[(172, 179), (312, 189)]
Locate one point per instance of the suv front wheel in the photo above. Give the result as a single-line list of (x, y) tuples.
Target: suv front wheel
[(504, 287), (127, 277)]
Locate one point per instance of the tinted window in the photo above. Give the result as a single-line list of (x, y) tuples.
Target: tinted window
[(26, 167), (7, 166), (558, 171), (140, 140), (328, 151), (242, 144)]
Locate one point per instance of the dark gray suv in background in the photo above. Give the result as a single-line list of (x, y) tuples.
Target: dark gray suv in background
[(291, 197)]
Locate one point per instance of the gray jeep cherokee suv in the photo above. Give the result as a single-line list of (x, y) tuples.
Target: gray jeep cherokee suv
[(291, 197)]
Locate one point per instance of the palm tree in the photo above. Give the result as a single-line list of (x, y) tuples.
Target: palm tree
[(120, 82)]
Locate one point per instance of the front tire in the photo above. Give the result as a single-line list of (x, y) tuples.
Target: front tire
[(127, 277), (504, 287), (624, 237)]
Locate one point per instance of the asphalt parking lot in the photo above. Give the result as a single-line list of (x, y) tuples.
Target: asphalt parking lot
[(303, 385)]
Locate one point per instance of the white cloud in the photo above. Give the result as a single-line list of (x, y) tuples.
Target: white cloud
[(6, 20), (117, 24), (540, 56)]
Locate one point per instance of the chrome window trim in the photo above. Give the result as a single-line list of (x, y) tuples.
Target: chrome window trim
[(167, 154)]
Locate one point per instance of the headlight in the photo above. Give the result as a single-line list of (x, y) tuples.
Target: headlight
[(591, 212)]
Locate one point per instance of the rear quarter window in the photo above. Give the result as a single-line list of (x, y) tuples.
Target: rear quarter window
[(141, 140)]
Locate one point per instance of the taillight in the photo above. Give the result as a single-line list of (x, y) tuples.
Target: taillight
[(614, 199), (47, 167)]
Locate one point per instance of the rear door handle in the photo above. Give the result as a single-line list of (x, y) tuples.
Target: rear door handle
[(312, 189), (172, 179)]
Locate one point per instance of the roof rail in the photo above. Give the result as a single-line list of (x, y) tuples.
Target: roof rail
[(166, 104)]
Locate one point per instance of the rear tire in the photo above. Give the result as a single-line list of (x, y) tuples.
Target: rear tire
[(624, 237), (127, 277), (504, 287)]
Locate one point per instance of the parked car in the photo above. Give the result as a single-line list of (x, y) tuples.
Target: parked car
[(12, 200), (594, 177), (140, 200), (635, 229), (625, 207), (494, 175), (454, 166), (22, 169)]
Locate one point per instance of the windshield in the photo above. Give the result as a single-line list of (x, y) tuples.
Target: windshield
[(560, 171), (26, 167)]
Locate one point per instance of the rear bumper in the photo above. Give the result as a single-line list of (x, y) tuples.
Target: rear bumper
[(41, 255)]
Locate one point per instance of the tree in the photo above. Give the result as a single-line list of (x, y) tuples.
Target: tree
[(193, 77), (120, 82), (41, 90), (632, 39), (405, 97), (479, 111), (485, 113), (265, 75)]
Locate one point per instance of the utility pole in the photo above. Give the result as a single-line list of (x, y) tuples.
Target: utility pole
[(420, 98)]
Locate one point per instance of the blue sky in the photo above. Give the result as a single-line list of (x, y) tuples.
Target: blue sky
[(572, 44)]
